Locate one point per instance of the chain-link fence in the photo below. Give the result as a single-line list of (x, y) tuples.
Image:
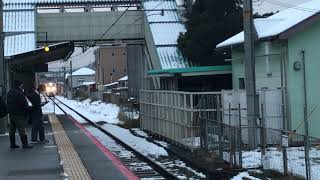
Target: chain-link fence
[(287, 152)]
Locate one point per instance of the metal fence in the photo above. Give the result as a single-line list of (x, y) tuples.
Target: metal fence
[(175, 115), (214, 122), (287, 152)]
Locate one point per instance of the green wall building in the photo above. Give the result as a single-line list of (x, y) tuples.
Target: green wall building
[(284, 42)]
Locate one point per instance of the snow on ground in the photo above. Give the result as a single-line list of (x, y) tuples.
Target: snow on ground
[(140, 132), (49, 109), (96, 111), (183, 165), (273, 160), (141, 144), (162, 143), (109, 143), (245, 175)]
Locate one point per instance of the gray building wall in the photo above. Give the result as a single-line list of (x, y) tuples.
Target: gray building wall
[(77, 80), (137, 70)]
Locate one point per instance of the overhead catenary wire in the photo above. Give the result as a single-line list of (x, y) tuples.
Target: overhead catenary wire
[(117, 33), (290, 6), (115, 22), (112, 25)]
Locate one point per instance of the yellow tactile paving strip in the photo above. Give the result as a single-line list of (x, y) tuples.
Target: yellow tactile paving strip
[(72, 164)]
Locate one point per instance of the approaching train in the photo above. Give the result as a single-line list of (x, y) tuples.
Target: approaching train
[(51, 89)]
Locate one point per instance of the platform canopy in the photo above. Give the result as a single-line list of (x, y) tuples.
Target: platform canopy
[(31, 60), (192, 71)]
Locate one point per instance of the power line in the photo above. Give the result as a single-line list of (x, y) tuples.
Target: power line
[(117, 20), (112, 25), (138, 19), (291, 6), (126, 27), (157, 6)]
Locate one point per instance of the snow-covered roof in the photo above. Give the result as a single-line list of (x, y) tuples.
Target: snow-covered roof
[(83, 71), (88, 83), (125, 78), (278, 23), (111, 84), (19, 21), (165, 31)]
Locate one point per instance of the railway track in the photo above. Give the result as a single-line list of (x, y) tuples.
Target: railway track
[(144, 167)]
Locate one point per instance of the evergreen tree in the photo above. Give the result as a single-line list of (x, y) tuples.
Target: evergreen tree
[(209, 23)]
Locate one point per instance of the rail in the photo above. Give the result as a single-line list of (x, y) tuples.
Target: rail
[(149, 161)]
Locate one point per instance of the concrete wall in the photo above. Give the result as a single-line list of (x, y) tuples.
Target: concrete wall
[(80, 26), (111, 64), (308, 40)]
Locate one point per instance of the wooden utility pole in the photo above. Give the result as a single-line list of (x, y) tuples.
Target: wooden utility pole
[(250, 77)]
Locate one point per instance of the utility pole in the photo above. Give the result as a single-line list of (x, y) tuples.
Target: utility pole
[(64, 80), (2, 69), (306, 125), (250, 77), (71, 84)]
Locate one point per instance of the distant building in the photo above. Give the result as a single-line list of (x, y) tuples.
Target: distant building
[(111, 64), (81, 76)]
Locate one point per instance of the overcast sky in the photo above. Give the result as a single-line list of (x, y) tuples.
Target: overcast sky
[(265, 6)]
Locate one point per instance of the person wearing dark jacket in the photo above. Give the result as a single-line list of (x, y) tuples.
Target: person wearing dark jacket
[(36, 117), (3, 108), (17, 105)]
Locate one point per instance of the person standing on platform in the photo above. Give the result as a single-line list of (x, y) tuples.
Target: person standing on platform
[(3, 108), (17, 108), (36, 116)]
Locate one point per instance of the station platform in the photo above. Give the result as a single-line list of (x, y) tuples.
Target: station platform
[(72, 153)]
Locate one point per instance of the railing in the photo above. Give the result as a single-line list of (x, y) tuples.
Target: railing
[(174, 114)]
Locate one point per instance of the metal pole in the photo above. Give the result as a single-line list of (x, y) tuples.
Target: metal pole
[(240, 136), (284, 122), (64, 80), (250, 78), (306, 125), (2, 69), (263, 132), (54, 105)]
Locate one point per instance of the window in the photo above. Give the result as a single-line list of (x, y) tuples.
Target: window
[(241, 83), (124, 70), (112, 54), (124, 53), (80, 80), (113, 70)]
